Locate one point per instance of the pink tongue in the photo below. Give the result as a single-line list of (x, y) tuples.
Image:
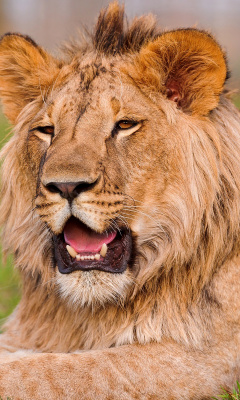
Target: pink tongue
[(84, 239)]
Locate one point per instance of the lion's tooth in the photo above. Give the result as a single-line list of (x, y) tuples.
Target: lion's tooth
[(71, 251), (103, 251), (79, 257)]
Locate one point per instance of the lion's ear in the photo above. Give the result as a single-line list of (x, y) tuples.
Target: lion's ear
[(192, 68), (25, 72)]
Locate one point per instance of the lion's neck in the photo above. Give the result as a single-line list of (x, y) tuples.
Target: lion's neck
[(49, 324)]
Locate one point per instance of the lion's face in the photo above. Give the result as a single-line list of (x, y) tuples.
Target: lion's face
[(95, 185), (105, 153)]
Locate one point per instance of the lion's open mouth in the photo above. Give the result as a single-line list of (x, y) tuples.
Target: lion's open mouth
[(81, 248)]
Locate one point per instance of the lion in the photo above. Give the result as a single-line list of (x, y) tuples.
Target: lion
[(120, 203)]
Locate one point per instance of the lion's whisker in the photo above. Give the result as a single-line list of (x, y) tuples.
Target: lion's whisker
[(132, 198), (123, 221)]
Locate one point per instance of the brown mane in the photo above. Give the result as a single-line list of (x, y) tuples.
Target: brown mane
[(112, 35)]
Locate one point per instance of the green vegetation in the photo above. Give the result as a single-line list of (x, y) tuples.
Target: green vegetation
[(4, 130), (8, 398), (236, 100), (235, 395), (9, 286)]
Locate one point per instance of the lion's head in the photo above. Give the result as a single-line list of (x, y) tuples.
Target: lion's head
[(118, 181)]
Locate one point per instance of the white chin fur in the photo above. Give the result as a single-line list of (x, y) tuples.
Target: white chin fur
[(89, 288)]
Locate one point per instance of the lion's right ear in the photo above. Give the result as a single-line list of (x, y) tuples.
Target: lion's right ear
[(26, 71)]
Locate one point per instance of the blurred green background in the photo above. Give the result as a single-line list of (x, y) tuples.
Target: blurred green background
[(49, 22), (9, 289), (9, 279)]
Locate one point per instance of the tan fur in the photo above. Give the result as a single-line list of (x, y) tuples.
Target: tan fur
[(167, 327)]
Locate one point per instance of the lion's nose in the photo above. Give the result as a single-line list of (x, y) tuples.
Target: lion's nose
[(69, 190)]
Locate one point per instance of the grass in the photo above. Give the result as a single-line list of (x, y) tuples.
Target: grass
[(236, 99), (8, 398), (235, 395), (9, 281), (9, 289)]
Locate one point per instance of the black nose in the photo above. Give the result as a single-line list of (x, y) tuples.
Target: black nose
[(69, 190)]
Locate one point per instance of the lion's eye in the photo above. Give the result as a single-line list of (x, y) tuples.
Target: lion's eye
[(125, 127), (44, 133), (125, 124), (48, 130)]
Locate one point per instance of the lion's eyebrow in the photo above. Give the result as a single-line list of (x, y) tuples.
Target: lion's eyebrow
[(115, 103), (50, 109)]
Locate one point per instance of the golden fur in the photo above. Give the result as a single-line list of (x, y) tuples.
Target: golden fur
[(174, 181)]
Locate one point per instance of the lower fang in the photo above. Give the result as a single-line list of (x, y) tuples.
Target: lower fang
[(103, 251), (97, 257), (71, 251)]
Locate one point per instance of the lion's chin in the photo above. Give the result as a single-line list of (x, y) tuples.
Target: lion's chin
[(114, 256), (93, 288)]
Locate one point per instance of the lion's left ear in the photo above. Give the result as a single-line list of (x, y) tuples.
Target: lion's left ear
[(26, 71), (191, 68)]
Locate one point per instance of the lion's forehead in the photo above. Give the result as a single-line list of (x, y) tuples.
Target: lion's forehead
[(97, 89)]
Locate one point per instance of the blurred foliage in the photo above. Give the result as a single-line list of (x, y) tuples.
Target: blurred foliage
[(9, 288), (235, 395), (236, 100), (9, 280)]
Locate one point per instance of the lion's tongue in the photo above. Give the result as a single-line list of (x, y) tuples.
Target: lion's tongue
[(83, 239)]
